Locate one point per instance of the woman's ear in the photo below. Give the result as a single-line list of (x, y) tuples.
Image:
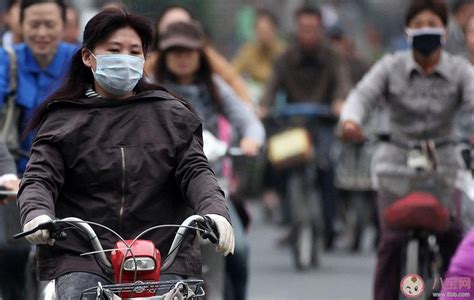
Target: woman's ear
[(87, 58)]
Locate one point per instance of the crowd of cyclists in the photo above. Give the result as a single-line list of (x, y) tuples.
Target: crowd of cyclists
[(111, 125)]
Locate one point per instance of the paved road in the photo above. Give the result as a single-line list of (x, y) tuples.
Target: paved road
[(341, 276)]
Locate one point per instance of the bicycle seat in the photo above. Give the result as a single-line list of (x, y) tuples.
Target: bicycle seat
[(417, 210)]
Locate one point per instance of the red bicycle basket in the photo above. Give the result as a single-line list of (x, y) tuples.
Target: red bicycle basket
[(417, 210)]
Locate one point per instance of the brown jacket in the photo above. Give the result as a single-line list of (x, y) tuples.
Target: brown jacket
[(317, 76), (129, 165)]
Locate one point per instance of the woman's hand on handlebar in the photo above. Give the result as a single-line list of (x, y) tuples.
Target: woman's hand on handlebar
[(249, 147), (40, 236), (10, 184), (226, 234), (351, 131)]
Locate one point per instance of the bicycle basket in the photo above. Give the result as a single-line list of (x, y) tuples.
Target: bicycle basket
[(417, 210), (187, 289), (290, 148)]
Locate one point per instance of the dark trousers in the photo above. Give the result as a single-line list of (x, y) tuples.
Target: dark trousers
[(323, 140), (276, 180), (237, 264), (325, 182), (389, 253), (13, 273)]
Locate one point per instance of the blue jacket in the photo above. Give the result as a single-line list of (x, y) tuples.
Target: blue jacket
[(34, 84)]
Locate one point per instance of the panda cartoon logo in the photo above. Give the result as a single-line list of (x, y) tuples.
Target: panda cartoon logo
[(412, 286)]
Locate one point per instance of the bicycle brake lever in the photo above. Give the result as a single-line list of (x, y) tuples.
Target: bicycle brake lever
[(58, 235), (210, 230), (47, 225)]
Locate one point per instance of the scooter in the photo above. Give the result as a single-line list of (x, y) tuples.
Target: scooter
[(136, 264)]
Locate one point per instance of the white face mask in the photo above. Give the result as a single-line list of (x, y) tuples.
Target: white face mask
[(118, 74)]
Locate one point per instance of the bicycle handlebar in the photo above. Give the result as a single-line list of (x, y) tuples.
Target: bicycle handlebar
[(204, 222), (4, 193), (7, 193), (235, 151), (58, 234), (305, 110), (206, 226), (437, 142), (49, 226)]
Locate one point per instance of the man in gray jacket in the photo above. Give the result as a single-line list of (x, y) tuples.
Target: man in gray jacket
[(424, 88)]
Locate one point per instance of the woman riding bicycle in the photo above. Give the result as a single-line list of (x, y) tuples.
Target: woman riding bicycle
[(113, 149), (424, 88), (184, 68)]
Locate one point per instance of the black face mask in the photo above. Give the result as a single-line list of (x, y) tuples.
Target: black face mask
[(426, 42)]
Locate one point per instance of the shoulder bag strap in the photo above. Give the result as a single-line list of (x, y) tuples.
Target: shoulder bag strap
[(11, 97)]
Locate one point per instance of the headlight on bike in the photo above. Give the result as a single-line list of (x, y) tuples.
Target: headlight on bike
[(139, 264)]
